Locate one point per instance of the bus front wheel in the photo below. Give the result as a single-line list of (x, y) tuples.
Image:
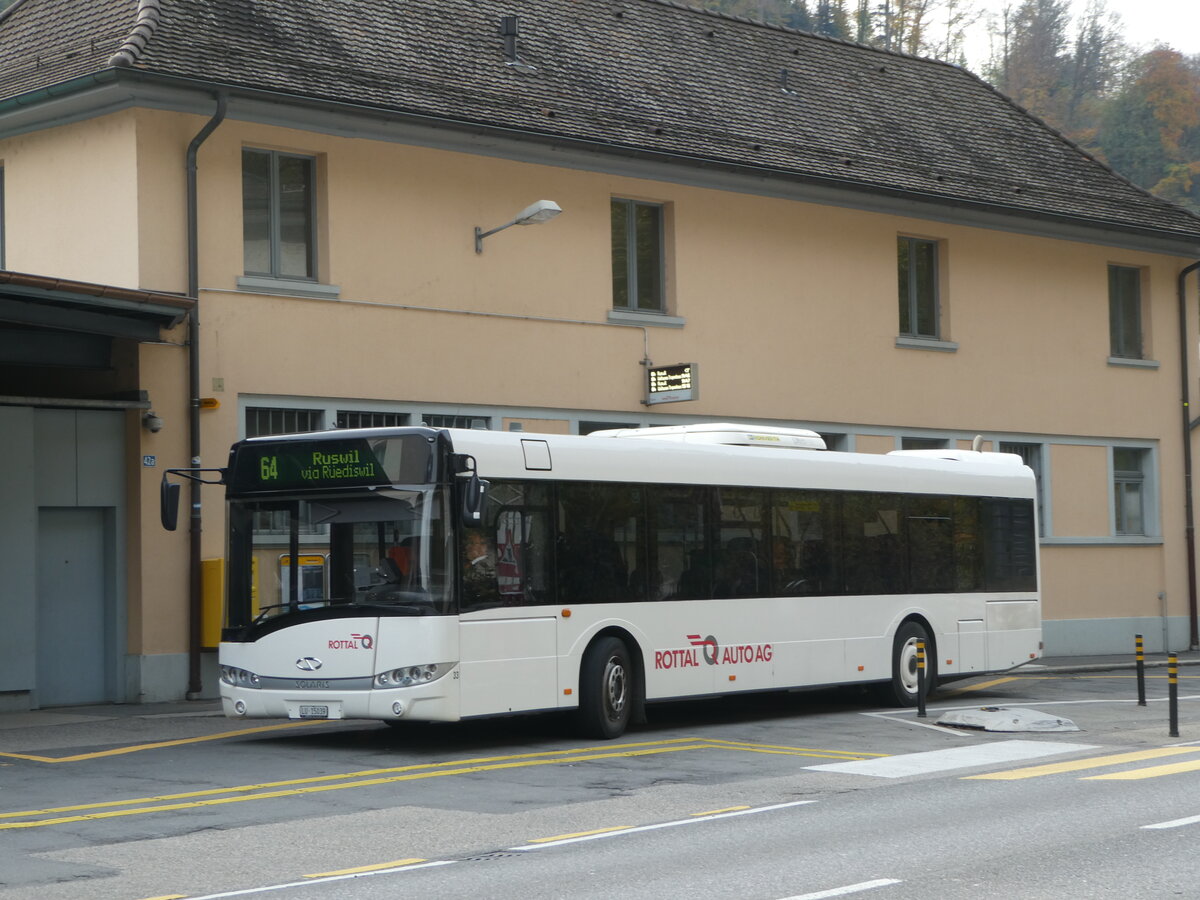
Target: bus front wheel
[(902, 689), (605, 689)]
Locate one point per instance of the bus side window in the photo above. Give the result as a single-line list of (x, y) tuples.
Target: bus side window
[(679, 554), (506, 561), (599, 542), (741, 564), (803, 544)]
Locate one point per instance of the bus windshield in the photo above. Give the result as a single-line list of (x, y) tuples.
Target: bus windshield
[(386, 550)]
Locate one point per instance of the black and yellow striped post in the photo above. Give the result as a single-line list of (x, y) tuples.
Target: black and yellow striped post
[(1173, 692), (1141, 670), (921, 679)]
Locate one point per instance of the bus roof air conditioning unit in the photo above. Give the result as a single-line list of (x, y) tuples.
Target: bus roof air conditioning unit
[(727, 433)]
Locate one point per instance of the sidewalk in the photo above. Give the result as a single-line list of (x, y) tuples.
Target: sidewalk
[(1067, 664)]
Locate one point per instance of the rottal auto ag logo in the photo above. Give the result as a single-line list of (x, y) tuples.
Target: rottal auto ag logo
[(712, 652)]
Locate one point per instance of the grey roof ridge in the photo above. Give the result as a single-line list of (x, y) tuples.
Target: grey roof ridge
[(787, 29), (143, 30)]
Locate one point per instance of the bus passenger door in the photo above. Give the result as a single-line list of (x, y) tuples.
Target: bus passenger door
[(508, 664)]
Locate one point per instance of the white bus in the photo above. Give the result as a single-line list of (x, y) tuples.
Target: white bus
[(477, 573)]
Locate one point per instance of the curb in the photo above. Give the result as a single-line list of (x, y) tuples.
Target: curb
[(1103, 667)]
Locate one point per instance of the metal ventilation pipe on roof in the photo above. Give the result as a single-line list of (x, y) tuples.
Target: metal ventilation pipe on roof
[(509, 30)]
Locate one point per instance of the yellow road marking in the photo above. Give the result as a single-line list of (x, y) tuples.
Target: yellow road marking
[(395, 864), (160, 744), (367, 778), (579, 834), (1077, 765), (714, 812), (1191, 765), (796, 751), (982, 686)]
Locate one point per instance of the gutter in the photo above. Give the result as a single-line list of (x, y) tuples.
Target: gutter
[(195, 585), (1188, 425)]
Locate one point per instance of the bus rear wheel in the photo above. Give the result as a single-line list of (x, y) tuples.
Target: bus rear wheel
[(606, 682), (902, 689)]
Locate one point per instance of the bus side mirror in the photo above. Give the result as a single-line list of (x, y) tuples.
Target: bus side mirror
[(168, 503), (474, 498)]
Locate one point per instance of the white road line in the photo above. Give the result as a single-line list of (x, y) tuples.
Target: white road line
[(247, 892), (1175, 823), (689, 821), (955, 758), (848, 889), (896, 717)]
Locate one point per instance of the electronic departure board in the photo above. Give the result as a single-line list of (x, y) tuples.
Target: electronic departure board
[(669, 384)]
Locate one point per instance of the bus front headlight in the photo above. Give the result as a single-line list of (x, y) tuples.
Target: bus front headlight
[(407, 676), (235, 677)]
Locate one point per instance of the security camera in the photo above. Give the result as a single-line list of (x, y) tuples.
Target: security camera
[(151, 422)]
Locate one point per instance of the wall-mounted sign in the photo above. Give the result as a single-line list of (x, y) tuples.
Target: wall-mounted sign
[(670, 384)]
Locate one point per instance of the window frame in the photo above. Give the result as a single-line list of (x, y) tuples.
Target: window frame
[(631, 257), (1120, 480), (1122, 346), (3, 229), (908, 293), (1033, 454), (275, 215)]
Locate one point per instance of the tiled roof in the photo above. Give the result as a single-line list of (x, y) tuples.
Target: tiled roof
[(630, 75)]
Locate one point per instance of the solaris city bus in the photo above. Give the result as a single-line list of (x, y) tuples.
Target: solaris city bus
[(439, 574)]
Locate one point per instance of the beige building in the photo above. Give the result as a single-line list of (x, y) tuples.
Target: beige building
[(871, 245)]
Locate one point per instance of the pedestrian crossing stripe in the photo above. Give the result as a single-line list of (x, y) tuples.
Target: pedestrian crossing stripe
[(932, 761), (1191, 765), (1098, 762)]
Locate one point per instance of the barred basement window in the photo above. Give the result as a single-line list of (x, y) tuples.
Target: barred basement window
[(439, 421), (350, 419), (262, 420)]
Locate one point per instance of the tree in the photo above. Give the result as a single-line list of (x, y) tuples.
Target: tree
[(1151, 128)]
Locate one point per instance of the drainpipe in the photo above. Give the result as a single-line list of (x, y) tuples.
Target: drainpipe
[(1185, 347), (195, 585)]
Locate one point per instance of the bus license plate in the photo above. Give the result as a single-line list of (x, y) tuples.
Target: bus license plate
[(314, 712)]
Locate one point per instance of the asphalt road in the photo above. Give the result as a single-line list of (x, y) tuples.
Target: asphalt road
[(771, 796)]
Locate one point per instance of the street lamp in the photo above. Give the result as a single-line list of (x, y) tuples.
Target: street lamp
[(535, 214)]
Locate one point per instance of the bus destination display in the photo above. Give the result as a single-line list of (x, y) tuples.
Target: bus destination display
[(292, 465)]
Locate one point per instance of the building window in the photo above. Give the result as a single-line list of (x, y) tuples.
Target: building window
[(589, 427), (1031, 455), (264, 420), (918, 276), (922, 443), (279, 214), (1125, 312), (835, 441), (1129, 490), (440, 421), (350, 419), (637, 255)]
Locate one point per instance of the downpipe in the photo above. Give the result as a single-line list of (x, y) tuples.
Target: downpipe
[(195, 585), (1189, 425)]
